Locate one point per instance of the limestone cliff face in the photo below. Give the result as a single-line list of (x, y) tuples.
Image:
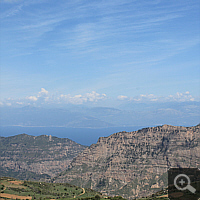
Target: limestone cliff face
[(42, 157), (134, 164)]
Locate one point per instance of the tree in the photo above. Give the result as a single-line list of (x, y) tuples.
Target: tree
[(97, 197)]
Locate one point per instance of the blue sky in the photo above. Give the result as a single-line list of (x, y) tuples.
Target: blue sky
[(79, 51)]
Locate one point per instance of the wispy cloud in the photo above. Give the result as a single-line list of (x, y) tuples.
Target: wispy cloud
[(11, 12), (11, 1), (93, 33), (116, 41)]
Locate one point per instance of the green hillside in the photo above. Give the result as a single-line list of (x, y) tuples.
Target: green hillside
[(16, 189), (11, 188)]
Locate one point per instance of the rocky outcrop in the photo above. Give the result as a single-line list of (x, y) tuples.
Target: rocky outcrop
[(42, 156), (134, 164)]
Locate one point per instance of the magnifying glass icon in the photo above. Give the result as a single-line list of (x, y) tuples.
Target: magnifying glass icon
[(189, 187)]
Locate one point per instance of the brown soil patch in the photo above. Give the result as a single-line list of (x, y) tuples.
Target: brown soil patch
[(16, 182), (12, 196), (177, 194)]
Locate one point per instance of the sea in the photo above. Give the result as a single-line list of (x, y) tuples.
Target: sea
[(84, 136)]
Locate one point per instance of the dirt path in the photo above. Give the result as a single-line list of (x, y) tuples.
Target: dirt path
[(81, 193), (12, 196), (166, 195)]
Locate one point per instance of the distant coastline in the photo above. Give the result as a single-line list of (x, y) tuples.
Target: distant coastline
[(84, 136)]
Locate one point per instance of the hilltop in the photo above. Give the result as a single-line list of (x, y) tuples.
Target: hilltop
[(36, 158)]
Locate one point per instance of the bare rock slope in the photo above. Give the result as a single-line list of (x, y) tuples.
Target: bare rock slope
[(40, 158), (134, 164)]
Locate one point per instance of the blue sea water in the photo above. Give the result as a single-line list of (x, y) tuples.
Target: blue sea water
[(84, 136)]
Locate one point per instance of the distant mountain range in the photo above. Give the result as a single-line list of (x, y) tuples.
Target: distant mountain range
[(129, 114)]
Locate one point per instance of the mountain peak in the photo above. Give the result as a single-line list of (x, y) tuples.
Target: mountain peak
[(127, 162)]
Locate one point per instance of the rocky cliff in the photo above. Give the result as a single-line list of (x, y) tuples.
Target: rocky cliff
[(42, 157), (134, 164)]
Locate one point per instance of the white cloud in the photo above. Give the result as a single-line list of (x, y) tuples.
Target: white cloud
[(186, 96), (180, 97), (80, 99), (44, 97), (41, 96), (64, 96), (19, 103), (93, 96), (43, 92), (146, 97), (155, 99), (32, 98), (122, 97)]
